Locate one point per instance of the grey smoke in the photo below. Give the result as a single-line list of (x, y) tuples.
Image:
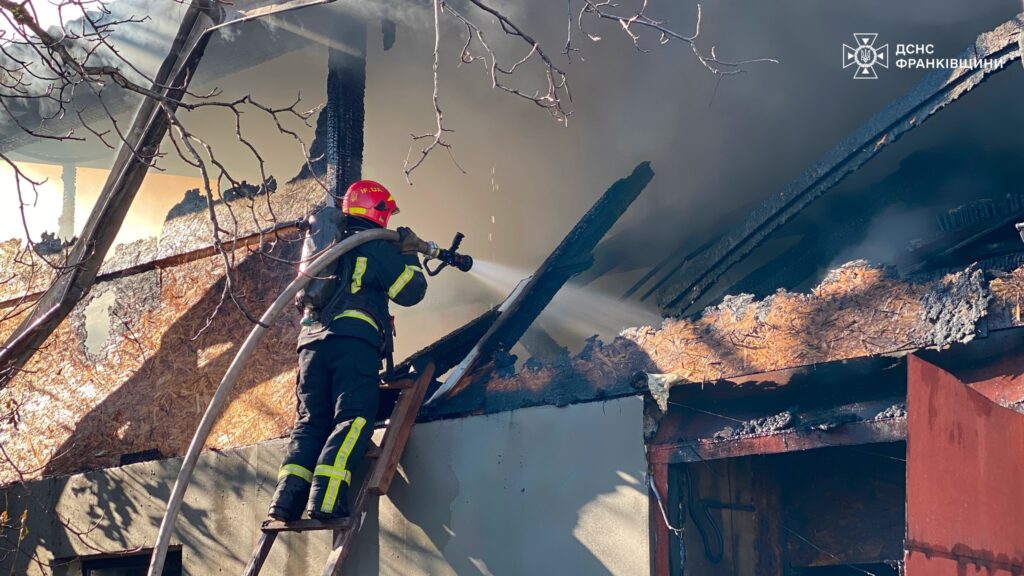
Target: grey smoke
[(716, 144)]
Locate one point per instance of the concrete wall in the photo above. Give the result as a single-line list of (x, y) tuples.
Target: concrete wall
[(535, 491)]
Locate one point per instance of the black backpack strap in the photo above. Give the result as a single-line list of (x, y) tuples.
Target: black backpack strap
[(388, 348), (343, 272)]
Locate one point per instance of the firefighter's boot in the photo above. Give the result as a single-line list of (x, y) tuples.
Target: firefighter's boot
[(328, 499), (289, 498)]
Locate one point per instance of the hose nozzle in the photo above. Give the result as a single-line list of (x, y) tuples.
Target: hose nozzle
[(463, 262), (450, 257)]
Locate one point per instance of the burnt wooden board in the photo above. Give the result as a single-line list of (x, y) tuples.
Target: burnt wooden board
[(572, 256)]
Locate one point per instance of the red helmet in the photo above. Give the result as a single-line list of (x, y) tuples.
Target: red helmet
[(369, 200)]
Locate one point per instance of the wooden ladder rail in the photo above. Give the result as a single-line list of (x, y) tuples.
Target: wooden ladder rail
[(376, 484)]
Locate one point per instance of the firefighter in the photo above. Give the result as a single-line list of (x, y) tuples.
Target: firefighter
[(339, 362)]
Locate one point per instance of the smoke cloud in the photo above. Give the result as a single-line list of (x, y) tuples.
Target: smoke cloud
[(716, 144)]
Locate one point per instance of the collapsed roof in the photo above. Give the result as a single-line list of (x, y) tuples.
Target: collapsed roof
[(690, 278), (164, 357), (165, 354)]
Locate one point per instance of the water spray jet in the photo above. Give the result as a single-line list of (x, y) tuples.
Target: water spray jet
[(581, 312)]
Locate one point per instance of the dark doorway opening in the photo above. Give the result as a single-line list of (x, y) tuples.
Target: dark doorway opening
[(130, 565), (823, 512)]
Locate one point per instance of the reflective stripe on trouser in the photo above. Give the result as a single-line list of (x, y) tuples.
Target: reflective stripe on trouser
[(339, 472), (337, 383), (295, 470)]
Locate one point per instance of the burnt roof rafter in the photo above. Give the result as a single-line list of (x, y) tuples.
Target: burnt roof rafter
[(1000, 48)]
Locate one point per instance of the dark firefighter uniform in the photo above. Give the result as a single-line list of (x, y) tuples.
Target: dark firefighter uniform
[(338, 385)]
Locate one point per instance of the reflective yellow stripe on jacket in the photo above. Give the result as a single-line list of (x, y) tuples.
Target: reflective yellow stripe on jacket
[(402, 280), (359, 315), (357, 274)]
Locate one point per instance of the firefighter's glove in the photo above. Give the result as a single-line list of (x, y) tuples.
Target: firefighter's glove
[(408, 241)]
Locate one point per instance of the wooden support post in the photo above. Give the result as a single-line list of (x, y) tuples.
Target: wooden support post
[(769, 540), (660, 533)]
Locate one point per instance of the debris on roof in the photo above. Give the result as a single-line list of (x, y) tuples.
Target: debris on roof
[(155, 372)]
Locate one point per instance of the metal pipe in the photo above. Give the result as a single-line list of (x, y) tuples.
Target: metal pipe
[(287, 297)]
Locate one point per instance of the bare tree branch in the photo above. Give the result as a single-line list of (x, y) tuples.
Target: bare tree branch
[(437, 137), (555, 96)]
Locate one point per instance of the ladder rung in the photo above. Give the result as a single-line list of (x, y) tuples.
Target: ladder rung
[(387, 456), (305, 525)]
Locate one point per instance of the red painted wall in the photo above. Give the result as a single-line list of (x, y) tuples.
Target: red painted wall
[(965, 479)]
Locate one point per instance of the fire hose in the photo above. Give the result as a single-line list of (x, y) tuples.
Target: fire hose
[(448, 256)]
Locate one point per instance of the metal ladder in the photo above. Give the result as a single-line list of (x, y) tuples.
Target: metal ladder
[(376, 484)]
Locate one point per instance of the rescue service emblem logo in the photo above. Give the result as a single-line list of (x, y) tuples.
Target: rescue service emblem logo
[(865, 56)]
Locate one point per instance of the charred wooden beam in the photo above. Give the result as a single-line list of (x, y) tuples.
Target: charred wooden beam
[(679, 257), (861, 423), (447, 352), (666, 261), (337, 150), (130, 167), (572, 256), (983, 229), (937, 90)]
